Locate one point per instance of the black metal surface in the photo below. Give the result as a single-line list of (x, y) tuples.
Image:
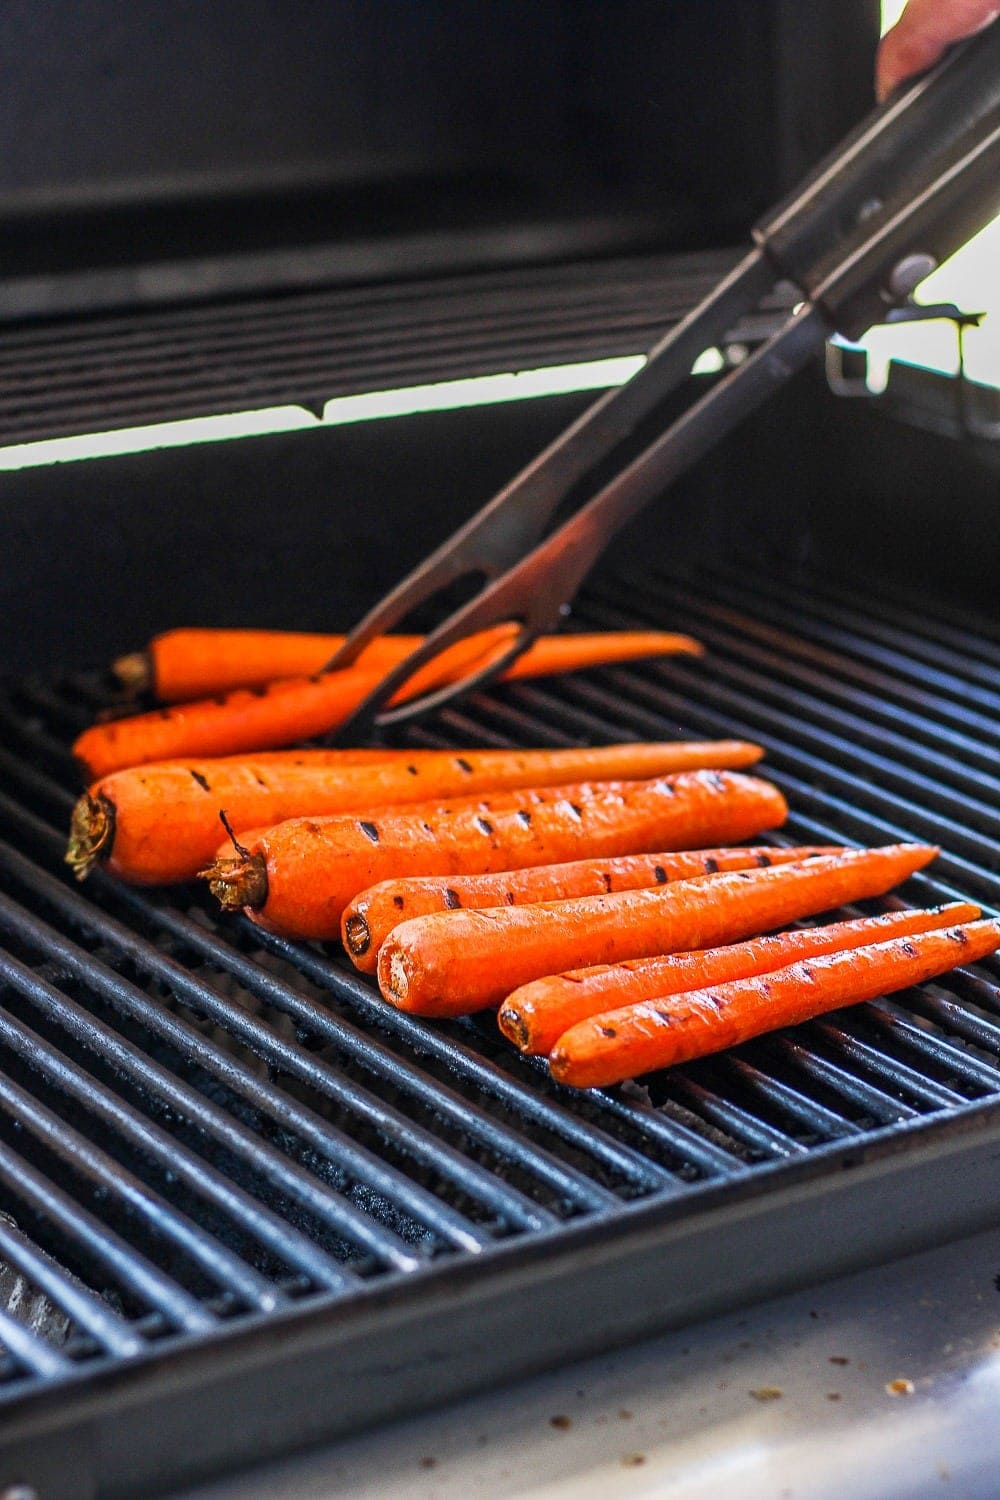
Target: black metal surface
[(227, 1164), (305, 347)]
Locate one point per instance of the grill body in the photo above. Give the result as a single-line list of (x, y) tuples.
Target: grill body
[(239, 1182)]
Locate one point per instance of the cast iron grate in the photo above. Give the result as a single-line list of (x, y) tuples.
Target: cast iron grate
[(201, 1124)]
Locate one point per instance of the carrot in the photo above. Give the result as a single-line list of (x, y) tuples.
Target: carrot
[(535, 1016), (659, 1033), (297, 878), (372, 915), (197, 663), (160, 823), (453, 962)]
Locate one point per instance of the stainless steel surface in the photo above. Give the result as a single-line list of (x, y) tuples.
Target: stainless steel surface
[(789, 1400)]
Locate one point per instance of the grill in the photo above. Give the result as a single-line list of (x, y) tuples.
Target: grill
[(234, 1176)]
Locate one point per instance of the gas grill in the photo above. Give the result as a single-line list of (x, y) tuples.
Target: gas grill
[(245, 1204)]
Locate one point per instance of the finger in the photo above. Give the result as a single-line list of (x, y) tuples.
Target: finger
[(924, 31)]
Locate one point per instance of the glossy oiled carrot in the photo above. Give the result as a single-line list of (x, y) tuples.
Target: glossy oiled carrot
[(160, 823), (373, 914), (267, 718), (659, 1033), (298, 877), (196, 663), (453, 962), (535, 1016)]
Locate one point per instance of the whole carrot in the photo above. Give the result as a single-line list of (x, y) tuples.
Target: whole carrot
[(659, 1033), (298, 877), (453, 962), (160, 823), (197, 663), (535, 1016), (372, 915)]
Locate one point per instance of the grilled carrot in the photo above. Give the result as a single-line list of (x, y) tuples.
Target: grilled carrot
[(298, 877), (372, 915), (659, 1033), (197, 663), (535, 1016), (160, 823), (453, 962)]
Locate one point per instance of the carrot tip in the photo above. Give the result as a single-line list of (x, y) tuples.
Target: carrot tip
[(357, 935), (513, 1026), (238, 882), (91, 833), (134, 672)]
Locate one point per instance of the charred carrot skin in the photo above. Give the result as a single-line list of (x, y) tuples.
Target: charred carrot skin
[(160, 823), (453, 962), (277, 714), (298, 878), (535, 1016), (196, 663), (660, 1033), (373, 914)]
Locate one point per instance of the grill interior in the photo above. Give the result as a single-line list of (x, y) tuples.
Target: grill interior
[(203, 1126)]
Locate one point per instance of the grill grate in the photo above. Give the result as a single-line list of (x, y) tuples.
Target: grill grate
[(306, 347), (203, 1126)]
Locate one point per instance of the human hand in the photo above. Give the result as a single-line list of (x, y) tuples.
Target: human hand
[(924, 31)]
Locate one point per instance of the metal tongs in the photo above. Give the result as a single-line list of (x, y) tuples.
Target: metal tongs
[(901, 193)]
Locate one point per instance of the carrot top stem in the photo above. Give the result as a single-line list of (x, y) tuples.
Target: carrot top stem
[(134, 672), (238, 882), (92, 830)]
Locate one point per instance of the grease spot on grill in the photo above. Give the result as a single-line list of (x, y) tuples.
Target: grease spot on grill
[(369, 830), (200, 779), (451, 899)]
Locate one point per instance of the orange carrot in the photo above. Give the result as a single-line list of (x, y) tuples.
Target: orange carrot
[(160, 823), (298, 877), (659, 1033), (453, 962), (197, 663), (535, 1016), (372, 915)]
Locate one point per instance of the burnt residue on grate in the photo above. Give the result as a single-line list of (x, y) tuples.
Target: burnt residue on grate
[(201, 1122)]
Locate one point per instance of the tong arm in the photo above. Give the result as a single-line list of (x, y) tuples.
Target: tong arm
[(512, 522)]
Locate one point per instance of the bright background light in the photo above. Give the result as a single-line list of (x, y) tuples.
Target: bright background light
[(970, 279)]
